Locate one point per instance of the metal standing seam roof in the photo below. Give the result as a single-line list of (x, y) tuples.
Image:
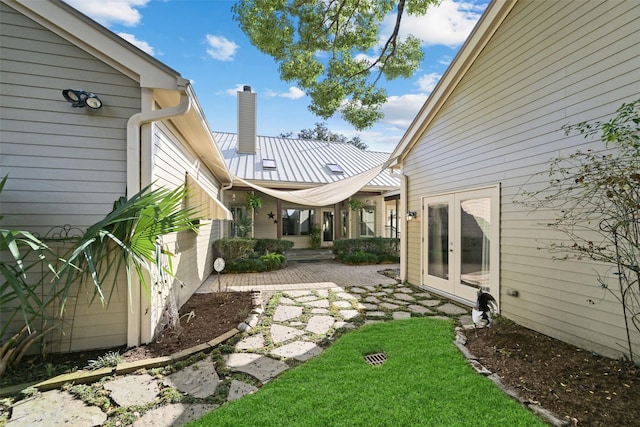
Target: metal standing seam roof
[(301, 161)]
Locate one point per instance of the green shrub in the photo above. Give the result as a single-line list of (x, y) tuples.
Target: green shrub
[(371, 250), (252, 255), (264, 246), (316, 237), (388, 259), (233, 249), (248, 265), (358, 258), (267, 262), (374, 245), (273, 261), (111, 359)]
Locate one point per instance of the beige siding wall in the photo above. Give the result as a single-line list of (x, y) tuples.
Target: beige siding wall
[(550, 63), (65, 165), (193, 261), (264, 227), (89, 324)]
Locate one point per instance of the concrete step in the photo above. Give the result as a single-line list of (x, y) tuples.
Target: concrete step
[(307, 255)]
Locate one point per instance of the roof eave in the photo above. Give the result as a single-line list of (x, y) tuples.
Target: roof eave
[(167, 84), (196, 132), (491, 19), (90, 36)]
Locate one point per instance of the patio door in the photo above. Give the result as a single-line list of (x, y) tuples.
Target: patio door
[(327, 226), (460, 249)]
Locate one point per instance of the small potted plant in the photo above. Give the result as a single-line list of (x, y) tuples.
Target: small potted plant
[(356, 205), (254, 201)]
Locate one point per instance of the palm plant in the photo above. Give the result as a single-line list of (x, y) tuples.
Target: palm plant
[(127, 238), (18, 295)]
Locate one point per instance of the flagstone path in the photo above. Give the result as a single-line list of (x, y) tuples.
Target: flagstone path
[(294, 324)]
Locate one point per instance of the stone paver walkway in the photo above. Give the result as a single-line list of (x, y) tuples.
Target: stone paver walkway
[(300, 316), (301, 275)]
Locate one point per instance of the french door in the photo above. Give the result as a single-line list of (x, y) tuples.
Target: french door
[(461, 243), (327, 226)]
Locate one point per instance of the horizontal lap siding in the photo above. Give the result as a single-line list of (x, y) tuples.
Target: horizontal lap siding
[(193, 261), (65, 165), (549, 64), (89, 324)]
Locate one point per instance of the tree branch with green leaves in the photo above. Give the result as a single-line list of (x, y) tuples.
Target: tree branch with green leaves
[(335, 50)]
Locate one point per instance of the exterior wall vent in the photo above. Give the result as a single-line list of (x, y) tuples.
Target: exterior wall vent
[(246, 121)]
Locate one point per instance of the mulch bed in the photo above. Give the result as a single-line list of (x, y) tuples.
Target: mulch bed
[(211, 316), (578, 386), (202, 318)]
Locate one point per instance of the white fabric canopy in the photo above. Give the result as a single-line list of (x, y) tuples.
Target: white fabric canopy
[(323, 195), (207, 205)]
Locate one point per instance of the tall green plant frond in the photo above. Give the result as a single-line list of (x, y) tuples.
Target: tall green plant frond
[(128, 237), (27, 251)]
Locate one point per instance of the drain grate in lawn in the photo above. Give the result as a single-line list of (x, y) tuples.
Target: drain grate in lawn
[(375, 359)]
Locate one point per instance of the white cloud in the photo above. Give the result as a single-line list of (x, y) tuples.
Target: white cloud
[(140, 44), (384, 140), (400, 111), (364, 57), (428, 82), (445, 60), (234, 91), (109, 12), (221, 48), (293, 93), (449, 24)]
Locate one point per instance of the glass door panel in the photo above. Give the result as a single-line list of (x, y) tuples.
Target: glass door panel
[(475, 245), (438, 213), (368, 222), (344, 224), (438, 241), (327, 226)]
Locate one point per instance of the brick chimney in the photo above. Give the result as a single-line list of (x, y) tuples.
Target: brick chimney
[(246, 121)]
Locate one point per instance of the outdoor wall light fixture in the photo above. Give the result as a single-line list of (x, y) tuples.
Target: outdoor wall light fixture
[(411, 215), (80, 98)]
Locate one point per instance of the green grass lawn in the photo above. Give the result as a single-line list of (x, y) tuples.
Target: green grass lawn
[(424, 382)]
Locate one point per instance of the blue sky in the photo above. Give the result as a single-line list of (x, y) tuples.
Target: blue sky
[(200, 40)]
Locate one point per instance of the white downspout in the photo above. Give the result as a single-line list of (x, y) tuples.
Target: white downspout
[(222, 190), (133, 137), (403, 232), (136, 310)]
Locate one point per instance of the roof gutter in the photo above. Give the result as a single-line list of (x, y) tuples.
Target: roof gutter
[(134, 178)]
